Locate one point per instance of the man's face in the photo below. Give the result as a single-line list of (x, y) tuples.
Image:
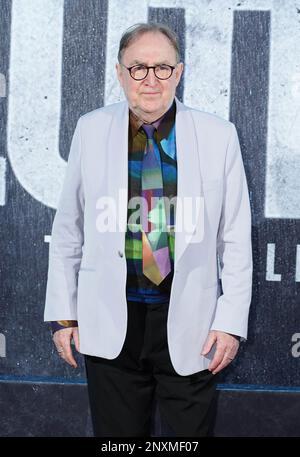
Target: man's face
[(151, 97)]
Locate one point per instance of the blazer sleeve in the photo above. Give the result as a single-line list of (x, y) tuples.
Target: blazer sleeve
[(234, 246), (67, 238)]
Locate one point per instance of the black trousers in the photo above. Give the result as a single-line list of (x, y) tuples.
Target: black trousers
[(121, 390)]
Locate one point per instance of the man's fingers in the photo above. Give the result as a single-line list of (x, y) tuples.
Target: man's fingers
[(67, 355), (225, 361), (226, 349), (209, 343), (217, 359), (62, 340), (76, 338)]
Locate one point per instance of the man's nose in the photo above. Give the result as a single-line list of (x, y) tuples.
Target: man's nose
[(151, 78)]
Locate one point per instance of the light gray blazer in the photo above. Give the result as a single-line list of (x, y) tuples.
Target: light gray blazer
[(87, 266)]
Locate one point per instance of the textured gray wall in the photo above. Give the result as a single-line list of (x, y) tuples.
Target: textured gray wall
[(241, 62)]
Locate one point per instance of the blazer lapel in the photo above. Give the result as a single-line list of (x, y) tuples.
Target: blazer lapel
[(189, 183), (117, 171)]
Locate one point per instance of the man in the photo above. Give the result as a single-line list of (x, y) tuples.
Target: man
[(141, 296)]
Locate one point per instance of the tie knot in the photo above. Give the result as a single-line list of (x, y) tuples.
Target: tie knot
[(149, 130)]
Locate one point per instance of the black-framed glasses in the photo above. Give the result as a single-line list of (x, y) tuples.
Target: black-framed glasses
[(139, 72)]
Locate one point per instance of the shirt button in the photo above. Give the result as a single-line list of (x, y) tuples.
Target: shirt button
[(120, 253)]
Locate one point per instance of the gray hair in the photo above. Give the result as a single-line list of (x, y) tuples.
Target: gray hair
[(137, 30)]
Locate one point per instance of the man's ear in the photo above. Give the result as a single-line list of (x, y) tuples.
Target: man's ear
[(119, 74), (178, 72)]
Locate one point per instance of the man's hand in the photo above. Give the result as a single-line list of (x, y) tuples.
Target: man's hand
[(62, 340), (226, 348)]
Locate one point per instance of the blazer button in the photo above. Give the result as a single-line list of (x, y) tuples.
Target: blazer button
[(120, 253)]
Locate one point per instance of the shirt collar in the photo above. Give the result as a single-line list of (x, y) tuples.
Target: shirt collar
[(163, 124)]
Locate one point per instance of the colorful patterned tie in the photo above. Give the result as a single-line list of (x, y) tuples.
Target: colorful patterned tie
[(156, 256)]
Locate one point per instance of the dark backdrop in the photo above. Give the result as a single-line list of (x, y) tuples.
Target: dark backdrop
[(267, 361)]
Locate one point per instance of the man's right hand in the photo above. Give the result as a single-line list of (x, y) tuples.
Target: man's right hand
[(62, 340)]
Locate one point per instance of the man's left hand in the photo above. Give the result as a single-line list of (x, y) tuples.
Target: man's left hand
[(226, 349)]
